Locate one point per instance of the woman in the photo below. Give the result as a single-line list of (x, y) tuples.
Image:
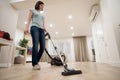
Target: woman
[(37, 32)]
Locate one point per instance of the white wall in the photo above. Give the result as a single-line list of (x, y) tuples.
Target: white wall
[(89, 48), (110, 15), (8, 17), (99, 40), (114, 7), (107, 45), (18, 35), (8, 22)]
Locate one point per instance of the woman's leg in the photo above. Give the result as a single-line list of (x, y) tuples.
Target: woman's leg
[(42, 43), (35, 40)]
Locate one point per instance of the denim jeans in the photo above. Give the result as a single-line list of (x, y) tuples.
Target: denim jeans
[(38, 37)]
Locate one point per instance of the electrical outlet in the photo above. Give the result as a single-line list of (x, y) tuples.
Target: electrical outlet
[(119, 25)]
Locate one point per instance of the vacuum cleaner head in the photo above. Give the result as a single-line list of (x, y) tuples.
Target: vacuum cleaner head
[(71, 72)]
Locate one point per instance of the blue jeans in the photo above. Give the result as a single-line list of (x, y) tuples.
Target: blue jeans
[(38, 37)]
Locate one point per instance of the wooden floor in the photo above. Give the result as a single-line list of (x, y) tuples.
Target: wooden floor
[(91, 71)]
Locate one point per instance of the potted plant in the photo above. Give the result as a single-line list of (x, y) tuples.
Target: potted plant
[(20, 58), (23, 43)]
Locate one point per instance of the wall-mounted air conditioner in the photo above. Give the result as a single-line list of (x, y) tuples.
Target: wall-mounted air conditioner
[(94, 12)]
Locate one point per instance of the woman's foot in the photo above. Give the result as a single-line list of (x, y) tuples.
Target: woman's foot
[(36, 67)]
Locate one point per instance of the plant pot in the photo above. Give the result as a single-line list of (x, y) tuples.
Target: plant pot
[(19, 59)]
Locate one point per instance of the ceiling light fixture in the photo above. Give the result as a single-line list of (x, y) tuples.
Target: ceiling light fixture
[(12, 1), (56, 32), (70, 17), (71, 28), (51, 25), (72, 34), (25, 22)]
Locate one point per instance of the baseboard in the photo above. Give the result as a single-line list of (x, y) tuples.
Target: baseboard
[(28, 61), (116, 64), (5, 64)]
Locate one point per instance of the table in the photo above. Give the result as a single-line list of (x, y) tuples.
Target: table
[(4, 42), (16, 47)]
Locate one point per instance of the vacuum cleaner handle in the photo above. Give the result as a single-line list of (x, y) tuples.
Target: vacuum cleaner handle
[(47, 34), (48, 54)]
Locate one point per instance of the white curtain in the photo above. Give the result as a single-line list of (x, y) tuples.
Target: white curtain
[(64, 46), (80, 48)]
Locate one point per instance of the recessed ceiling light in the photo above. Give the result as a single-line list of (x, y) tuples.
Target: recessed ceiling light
[(56, 32), (51, 25), (71, 28), (25, 22), (72, 34), (69, 16), (17, 0)]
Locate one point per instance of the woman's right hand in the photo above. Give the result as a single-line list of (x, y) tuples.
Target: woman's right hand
[(26, 31)]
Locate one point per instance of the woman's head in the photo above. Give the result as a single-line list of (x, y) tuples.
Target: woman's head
[(39, 5)]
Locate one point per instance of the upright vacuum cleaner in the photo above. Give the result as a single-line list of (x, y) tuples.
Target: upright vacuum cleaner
[(66, 71)]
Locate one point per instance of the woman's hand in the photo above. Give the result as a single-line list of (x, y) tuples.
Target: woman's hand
[(45, 31), (26, 31)]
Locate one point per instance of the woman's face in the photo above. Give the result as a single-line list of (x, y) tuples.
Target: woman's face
[(41, 7)]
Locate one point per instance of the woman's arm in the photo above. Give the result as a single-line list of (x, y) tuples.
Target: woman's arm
[(28, 22), (44, 26)]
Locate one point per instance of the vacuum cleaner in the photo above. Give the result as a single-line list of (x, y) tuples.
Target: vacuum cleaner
[(56, 59), (66, 71)]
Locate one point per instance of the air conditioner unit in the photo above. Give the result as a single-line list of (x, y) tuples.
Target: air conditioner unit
[(94, 12)]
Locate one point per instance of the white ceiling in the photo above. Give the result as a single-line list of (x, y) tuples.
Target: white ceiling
[(56, 13)]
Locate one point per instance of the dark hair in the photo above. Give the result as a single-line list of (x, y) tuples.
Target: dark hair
[(38, 3), (6, 35)]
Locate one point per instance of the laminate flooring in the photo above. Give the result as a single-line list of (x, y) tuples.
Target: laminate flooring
[(91, 71)]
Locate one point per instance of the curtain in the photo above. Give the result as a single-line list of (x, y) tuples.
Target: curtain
[(80, 48)]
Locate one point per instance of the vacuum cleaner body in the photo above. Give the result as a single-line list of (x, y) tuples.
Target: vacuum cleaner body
[(56, 61)]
